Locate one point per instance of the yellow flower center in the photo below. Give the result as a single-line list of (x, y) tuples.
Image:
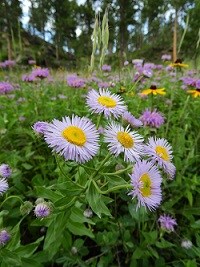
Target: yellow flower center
[(107, 101), (146, 185), (162, 152), (74, 135), (125, 139)]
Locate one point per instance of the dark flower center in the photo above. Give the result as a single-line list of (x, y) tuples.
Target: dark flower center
[(179, 61), (153, 87), (198, 90)]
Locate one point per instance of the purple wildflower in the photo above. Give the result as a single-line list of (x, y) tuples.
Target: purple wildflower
[(5, 170), (125, 141), (167, 222), (75, 138), (5, 87), (29, 78), (40, 73), (31, 62), (105, 102), (128, 117), (74, 81), (166, 57), (197, 84), (187, 244), (126, 63), (40, 127), (103, 85), (4, 237), (3, 185), (42, 210), (106, 68), (146, 181), (160, 152), (152, 118)]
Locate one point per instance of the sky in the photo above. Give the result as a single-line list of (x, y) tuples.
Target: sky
[(25, 18)]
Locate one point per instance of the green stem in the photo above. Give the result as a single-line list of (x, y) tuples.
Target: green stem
[(118, 172), (138, 80), (184, 108), (100, 166), (99, 120), (115, 188), (19, 198), (62, 171)]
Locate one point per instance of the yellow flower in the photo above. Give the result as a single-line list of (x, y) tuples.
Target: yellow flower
[(154, 90), (178, 63), (194, 93)]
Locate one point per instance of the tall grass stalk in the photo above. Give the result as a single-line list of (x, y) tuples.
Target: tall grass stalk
[(184, 33)]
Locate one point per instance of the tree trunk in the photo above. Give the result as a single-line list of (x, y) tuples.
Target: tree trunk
[(175, 37)]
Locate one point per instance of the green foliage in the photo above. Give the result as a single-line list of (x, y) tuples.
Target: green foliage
[(113, 233)]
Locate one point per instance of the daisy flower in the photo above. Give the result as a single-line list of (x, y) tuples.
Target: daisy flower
[(128, 117), (3, 185), (4, 237), (195, 92), (146, 181), (167, 222), (152, 118), (179, 63), (123, 141), (42, 210), (154, 90), (74, 138), (160, 152), (106, 103)]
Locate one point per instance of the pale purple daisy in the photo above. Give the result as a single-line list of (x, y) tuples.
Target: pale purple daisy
[(40, 73), (146, 181), (152, 118), (128, 117), (74, 138), (5, 170), (125, 141), (166, 57), (167, 222), (4, 237), (105, 102), (187, 244), (126, 63), (42, 210), (74, 81), (3, 185), (5, 87), (40, 127), (160, 152), (106, 68)]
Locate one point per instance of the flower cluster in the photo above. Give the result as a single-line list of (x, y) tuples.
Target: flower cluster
[(78, 139), (5, 173), (152, 118), (106, 68), (5, 87), (38, 72), (7, 64), (74, 81)]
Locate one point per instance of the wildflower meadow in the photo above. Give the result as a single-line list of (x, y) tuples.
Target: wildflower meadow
[(99, 165), (100, 176)]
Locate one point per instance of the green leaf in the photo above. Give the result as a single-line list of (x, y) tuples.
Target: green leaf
[(78, 216), (8, 258), (28, 250), (54, 234), (79, 229), (27, 166), (69, 188), (47, 193), (96, 201)]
